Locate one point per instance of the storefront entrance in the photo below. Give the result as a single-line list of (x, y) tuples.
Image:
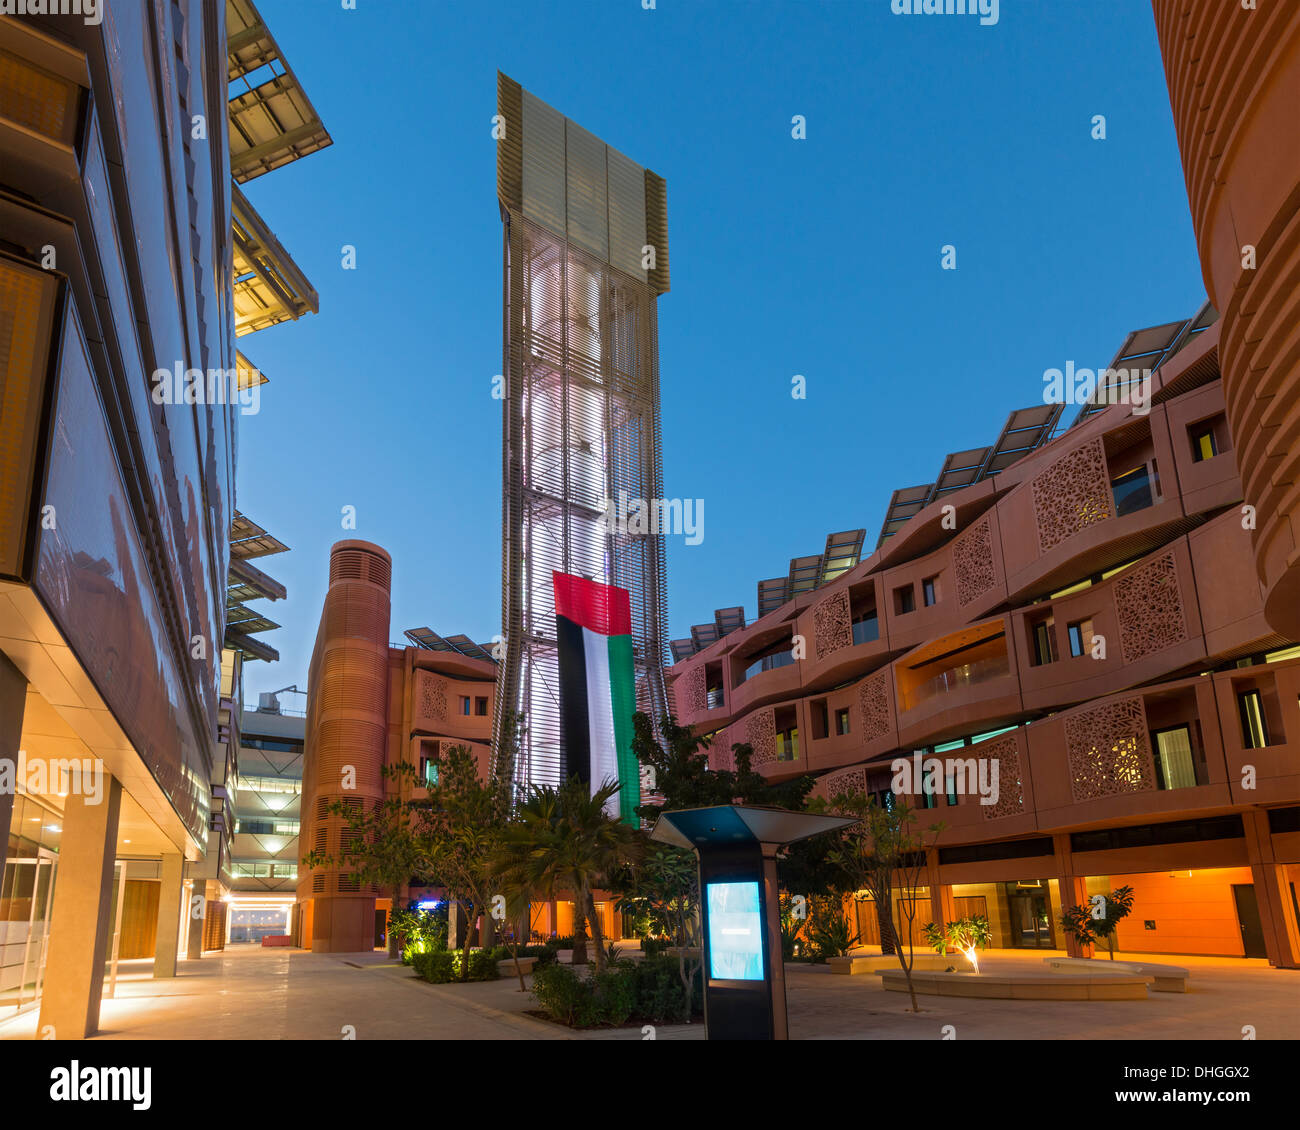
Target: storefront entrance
[(1030, 917), (26, 892)]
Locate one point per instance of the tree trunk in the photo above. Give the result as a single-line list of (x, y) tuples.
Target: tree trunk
[(597, 934), (394, 950), (469, 938), (885, 921), (579, 930)]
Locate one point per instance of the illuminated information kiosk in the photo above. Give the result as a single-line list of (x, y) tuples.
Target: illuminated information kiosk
[(744, 977)]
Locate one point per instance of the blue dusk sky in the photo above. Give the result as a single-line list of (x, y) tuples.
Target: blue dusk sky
[(818, 257)]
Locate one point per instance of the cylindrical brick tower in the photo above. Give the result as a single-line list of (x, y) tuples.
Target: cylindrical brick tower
[(347, 718), (1234, 84)]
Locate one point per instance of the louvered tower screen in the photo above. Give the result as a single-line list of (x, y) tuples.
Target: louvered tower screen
[(585, 259)]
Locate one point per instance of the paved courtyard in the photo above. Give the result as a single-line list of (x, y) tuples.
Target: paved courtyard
[(250, 993)]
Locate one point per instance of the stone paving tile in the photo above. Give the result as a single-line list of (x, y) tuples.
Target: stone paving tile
[(276, 994)]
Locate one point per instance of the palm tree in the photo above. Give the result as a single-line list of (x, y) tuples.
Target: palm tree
[(562, 839)]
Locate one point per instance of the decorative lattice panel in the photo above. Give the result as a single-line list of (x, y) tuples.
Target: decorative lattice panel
[(1011, 791), (719, 754), (873, 706), (841, 781), (432, 697), (972, 561), (760, 733), (1071, 495), (831, 624), (1150, 608), (1108, 751), (692, 691)]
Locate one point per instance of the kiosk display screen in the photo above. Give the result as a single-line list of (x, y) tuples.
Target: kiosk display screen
[(735, 932)]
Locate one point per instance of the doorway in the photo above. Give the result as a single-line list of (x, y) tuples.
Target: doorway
[(26, 899), (1252, 929), (1030, 917)]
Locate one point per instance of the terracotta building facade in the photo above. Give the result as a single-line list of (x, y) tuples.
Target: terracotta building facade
[(1088, 625), (1234, 84), (369, 705)]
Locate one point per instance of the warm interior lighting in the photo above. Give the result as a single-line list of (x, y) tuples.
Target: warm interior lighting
[(37, 100)]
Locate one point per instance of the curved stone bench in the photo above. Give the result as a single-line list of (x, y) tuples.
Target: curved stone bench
[(878, 963), (1022, 986), (1163, 978)]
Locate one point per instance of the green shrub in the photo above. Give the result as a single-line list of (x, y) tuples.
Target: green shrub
[(441, 967), (616, 992), (437, 967), (660, 995), (543, 954), (565, 996), (649, 990), (652, 947)]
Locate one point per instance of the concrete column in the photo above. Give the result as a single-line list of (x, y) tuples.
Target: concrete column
[(80, 927), (458, 924), (1074, 892), (942, 907), (1273, 894), (169, 915), (13, 698), (197, 912)]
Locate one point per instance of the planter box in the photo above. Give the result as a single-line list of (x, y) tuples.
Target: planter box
[(692, 953), (507, 968)]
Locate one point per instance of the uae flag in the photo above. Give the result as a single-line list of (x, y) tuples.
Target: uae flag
[(593, 625)]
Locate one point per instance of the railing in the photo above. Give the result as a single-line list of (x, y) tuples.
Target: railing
[(967, 675), (768, 663), (713, 699), (866, 631)]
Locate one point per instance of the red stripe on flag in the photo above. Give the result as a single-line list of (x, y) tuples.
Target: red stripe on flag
[(605, 609)]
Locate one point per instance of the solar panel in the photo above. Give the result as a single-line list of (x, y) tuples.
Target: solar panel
[(271, 120)]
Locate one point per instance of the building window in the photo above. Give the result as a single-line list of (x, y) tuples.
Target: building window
[(464, 705), (1133, 490), (1080, 637), (1175, 765), (952, 791), (1254, 726), (1204, 445), (904, 600), (428, 771), (481, 706), (842, 721), (929, 789), (787, 744), (929, 590), (1043, 640)]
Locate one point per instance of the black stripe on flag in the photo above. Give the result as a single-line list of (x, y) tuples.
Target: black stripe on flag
[(575, 733)]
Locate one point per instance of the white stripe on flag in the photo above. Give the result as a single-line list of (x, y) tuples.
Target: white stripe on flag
[(600, 714)]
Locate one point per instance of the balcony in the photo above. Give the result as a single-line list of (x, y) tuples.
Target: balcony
[(768, 663), (866, 631), (967, 675)]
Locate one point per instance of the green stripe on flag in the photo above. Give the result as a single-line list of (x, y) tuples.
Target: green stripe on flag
[(622, 692)]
